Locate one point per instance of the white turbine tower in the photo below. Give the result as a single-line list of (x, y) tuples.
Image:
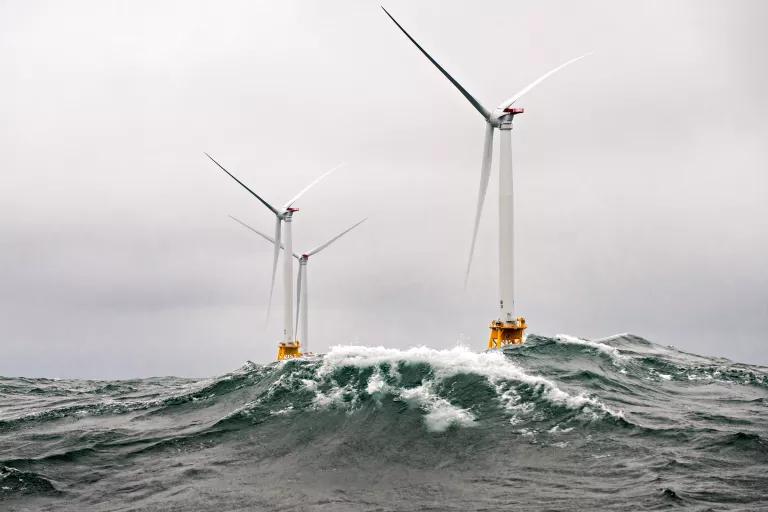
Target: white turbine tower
[(289, 347), (508, 328), (302, 304)]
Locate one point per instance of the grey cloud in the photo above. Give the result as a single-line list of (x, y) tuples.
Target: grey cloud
[(641, 176)]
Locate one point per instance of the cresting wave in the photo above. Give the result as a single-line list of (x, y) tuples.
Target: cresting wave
[(430, 393), (697, 423)]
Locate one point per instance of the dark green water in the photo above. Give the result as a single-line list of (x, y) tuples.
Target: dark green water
[(558, 424)]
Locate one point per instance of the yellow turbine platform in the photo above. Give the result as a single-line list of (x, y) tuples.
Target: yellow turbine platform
[(507, 333), (288, 350)]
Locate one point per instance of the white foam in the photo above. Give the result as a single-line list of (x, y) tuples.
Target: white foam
[(334, 397), (608, 350), (441, 414), (616, 336), (376, 384), (309, 384), (447, 363), (444, 363), (282, 412), (525, 432), (508, 397), (556, 429)]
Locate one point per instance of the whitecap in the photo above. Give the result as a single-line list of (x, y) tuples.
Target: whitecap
[(608, 350), (454, 361), (440, 413)]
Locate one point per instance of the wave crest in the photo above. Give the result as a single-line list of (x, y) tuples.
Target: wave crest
[(419, 375)]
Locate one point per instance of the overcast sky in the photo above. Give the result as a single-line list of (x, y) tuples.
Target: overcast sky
[(642, 198)]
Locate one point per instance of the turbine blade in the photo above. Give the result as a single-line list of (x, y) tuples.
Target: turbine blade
[(329, 242), (506, 104), (278, 245), (456, 84), (254, 194), (317, 180), (262, 235), (298, 300), (485, 173)]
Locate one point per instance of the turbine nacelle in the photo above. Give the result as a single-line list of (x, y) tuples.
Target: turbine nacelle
[(505, 119)]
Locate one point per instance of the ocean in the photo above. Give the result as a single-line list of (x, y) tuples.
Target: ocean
[(557, 424)]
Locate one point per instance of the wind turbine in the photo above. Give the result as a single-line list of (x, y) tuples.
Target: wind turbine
[(302, 304), (289, 347), (508, 328)]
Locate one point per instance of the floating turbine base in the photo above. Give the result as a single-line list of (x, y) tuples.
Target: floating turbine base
[(507, 333), (288, 350)]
